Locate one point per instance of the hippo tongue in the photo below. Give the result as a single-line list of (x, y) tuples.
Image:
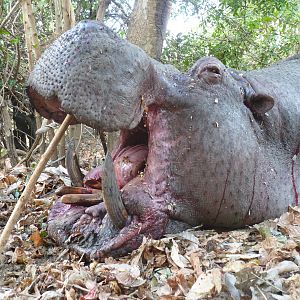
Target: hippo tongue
[(129, 162)]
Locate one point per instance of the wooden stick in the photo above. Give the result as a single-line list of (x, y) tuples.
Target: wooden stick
[(31, 183)]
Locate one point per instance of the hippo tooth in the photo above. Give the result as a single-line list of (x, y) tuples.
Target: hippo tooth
[(112, 195)]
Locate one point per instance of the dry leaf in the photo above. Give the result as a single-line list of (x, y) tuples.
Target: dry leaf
[(51, 295), (195, 262), (230, 281), (37, 239), (281, 268), (207, 285), (293, 286), (79, 277), (125, 274), (115, 287), (234, 266), (19, 256), (177, 258)]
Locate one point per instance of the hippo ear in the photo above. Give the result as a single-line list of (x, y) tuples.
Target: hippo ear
[(259, 103)]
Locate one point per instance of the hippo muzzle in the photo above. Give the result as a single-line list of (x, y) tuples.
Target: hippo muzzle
[(211, 146)]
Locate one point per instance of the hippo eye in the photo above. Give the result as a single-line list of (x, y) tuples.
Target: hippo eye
[(212, 69)]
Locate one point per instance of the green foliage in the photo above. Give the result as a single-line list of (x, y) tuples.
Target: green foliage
[(9, 44), (189, 7), (246, 34)]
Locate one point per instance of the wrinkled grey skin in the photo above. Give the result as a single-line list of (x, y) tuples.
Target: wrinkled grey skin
[(221, 144)]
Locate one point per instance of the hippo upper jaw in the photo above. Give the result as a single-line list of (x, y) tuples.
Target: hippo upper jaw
[(95, 76)]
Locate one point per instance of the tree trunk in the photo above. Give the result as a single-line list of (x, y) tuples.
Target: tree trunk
[(68, 15), (65, 20), (6, 120), (31, 37), (148, 24), (32, 44), (58, 18), (103, 5)]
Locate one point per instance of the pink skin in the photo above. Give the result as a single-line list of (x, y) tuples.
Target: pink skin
[(128, 163)]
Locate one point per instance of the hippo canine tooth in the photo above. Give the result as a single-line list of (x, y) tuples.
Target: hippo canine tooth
[(112, 195)]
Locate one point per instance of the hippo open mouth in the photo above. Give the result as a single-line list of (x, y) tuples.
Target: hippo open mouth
[(210, 146), (81, 225)]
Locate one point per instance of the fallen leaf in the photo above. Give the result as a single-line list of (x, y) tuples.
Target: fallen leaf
[(207, 284), (177, 258), (281, 268), (195, 262), (293, 286), (51, 295), (127, 275), (234, 266), (37, 239), (229, 282), (19, 256)]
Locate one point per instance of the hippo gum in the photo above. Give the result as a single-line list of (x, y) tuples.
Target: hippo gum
[(211, 146)]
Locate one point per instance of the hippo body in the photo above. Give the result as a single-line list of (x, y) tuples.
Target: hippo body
[(222, 146)]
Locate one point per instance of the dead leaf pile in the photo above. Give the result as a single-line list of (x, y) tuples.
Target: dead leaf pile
[(260, 262)]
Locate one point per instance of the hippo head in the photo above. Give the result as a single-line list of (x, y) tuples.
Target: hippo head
[(197, 134)]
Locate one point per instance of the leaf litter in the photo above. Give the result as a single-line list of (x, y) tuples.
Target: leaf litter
[(259, 262)]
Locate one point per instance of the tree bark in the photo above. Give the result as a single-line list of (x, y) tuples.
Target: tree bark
[(65, 20), (58, 18), (148, 25), (32, 43), (6, 120), (31, 37), (103, 5), (68, 15)]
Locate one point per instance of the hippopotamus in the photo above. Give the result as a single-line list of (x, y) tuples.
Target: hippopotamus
[(213, 146)]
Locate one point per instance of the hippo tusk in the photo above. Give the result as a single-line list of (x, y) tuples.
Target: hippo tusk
[(72, 165), (111, 194)]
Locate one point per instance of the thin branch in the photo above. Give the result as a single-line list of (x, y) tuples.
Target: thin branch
[(121, 8), (14, 8)]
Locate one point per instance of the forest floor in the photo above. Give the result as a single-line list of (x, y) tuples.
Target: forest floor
[(258, 262)]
